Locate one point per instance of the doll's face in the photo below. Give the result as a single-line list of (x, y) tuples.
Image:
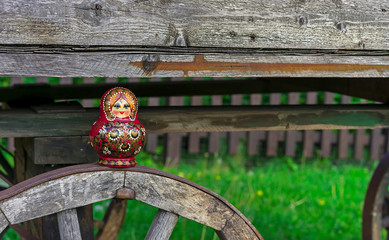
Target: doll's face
[(121, 109)]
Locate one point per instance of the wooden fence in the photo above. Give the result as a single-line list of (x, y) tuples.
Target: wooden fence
[(342, 144)]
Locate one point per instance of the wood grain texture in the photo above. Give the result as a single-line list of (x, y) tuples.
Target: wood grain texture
[(144, 62), (162, 226), (69, 228), (3, 222), (178, 198), (235, 230), (265, 24), (62, 194), (26, 123)]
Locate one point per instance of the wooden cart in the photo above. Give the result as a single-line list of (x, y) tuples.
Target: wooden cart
[(265, 46)]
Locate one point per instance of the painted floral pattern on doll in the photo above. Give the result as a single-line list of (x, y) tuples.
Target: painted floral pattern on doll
[(118, 135)]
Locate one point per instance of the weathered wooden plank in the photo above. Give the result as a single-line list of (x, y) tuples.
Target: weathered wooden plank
[(19, 123), (63, 150), (264, 24), (162, 226), (69, 227), (369, 88), (141, 62), (61, 194)]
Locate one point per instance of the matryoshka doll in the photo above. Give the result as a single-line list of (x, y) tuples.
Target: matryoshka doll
[(117, 136)]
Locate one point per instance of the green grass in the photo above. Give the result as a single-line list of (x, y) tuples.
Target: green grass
[(283, 199)]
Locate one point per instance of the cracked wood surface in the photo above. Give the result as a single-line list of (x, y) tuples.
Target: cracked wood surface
[(353, 24), (80, 185), (148, 62)]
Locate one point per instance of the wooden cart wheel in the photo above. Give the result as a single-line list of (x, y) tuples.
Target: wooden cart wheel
[(62, 190), (376, 206)]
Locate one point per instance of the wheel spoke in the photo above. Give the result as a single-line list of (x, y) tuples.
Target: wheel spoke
[(69, 227), (162, 226)]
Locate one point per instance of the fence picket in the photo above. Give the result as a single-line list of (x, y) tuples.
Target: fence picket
[(173, 141), (291, 136), (214, 137), (254, 137), (344, 136), (87, 102), (233, 137), (152, 138), (326, 135), (309, 138), (194, 138), (273, 136)]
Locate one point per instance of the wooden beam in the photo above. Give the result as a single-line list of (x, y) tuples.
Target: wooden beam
[(263, 24), (27, 123), (66, 61)]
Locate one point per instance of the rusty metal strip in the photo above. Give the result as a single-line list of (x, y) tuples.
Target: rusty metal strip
[(201, 64)]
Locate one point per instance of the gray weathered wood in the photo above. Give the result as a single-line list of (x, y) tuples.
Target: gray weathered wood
[(69, 227), (26, 123), (162, 226), (62, 194), (167, 63), (3, 222), (235, 230), (264, 24), (179, 198)]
